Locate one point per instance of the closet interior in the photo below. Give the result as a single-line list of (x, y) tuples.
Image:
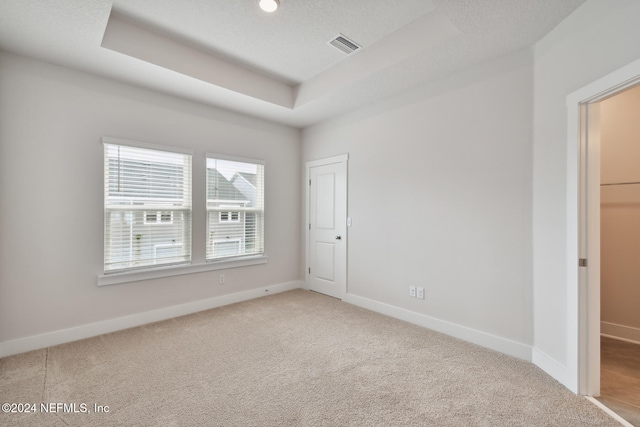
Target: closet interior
[(620, 253)]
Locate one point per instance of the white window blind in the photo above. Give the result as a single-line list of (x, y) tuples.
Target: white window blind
[(147, 207), (235, 207)]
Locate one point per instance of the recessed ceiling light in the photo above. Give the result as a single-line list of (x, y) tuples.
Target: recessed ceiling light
[(269, 5)]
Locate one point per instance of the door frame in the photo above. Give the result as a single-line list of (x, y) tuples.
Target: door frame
[(583, 227), (342, 158)]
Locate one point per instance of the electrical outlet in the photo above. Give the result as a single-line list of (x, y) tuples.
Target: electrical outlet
[(421, 293), (221, 279), (412, 291)]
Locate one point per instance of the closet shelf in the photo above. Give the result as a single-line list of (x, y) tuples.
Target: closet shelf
[(620, 183)]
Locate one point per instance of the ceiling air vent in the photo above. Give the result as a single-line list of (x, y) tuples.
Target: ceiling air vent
[(344, 44)]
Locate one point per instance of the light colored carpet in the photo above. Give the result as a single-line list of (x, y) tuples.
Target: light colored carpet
[(291, 359)]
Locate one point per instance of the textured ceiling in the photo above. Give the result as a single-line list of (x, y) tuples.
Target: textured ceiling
[(277, 66), (291, 43)]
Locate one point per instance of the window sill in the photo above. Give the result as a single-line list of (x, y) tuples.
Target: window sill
[(156, 273)]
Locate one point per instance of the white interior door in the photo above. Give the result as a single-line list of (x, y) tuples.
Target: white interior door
[(327, 218)]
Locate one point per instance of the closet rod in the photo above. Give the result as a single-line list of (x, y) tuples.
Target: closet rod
[(621, 183)]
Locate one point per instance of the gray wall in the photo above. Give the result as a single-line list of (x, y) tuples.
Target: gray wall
[(51, 192), (600, 37), (440, 197)]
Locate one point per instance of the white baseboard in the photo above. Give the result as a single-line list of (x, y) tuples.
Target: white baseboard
[(503, 345), (49, 339), (620, 332), (553, 368)]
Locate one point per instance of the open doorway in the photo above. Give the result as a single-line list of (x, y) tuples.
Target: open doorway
[(583, 227), (614, 126)]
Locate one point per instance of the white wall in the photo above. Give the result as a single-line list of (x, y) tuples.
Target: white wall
[(620, 214), (440, 196), (600, 37), (51, 188)]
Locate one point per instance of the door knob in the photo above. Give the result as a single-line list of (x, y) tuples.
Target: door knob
[(338, 237)]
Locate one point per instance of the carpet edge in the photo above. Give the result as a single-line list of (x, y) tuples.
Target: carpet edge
[(48, 339), (484, 339)]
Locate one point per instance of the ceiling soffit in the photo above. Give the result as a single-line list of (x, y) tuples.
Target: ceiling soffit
[(148, 43)]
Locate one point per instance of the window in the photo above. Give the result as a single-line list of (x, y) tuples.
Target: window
[(223, 248), (147, 206), (158, 217), (235, 207), (229, 216)]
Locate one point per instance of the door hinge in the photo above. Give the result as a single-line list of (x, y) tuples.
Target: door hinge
[(582, 262), (309, 270), (309, 226), (309, 183)]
